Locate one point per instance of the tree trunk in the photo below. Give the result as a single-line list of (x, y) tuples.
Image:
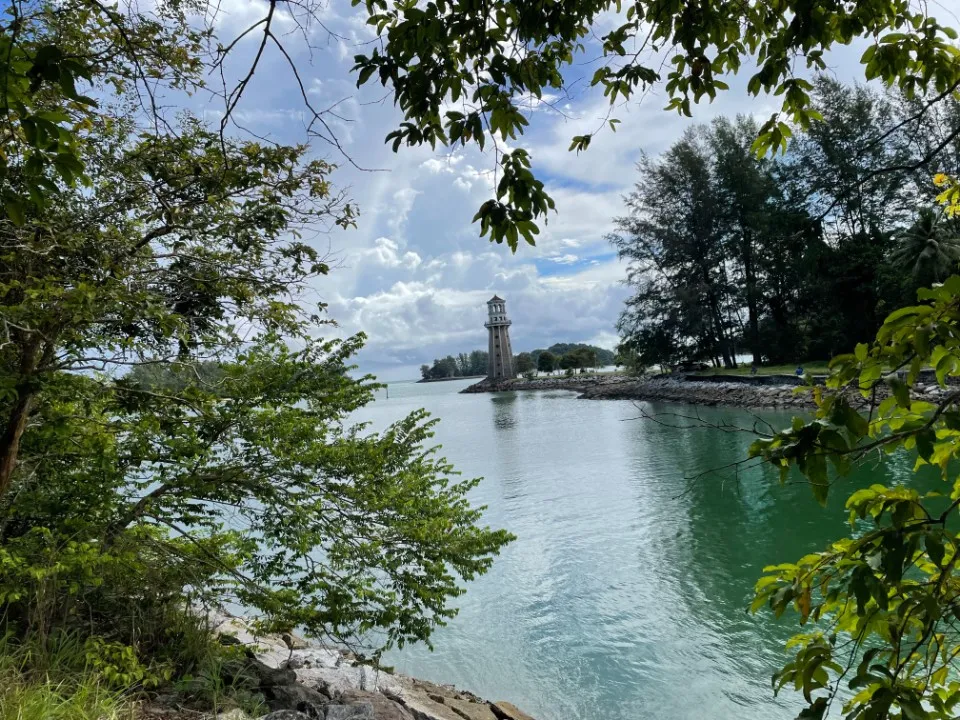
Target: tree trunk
[(19, 413), (10, 441), (750, 276)]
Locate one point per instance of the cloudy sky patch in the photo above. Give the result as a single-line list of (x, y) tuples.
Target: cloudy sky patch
[(415, 275)]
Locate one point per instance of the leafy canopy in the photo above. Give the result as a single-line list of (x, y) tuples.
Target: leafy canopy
[(462, 71), (173, 431), (885, 598)]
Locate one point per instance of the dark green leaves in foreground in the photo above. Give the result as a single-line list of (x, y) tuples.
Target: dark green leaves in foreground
[(464, 72), (884, 603), (183, 428)]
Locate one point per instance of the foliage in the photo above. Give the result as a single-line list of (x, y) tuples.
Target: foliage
[(928, 249), (461, 365), (546, 361), (792, 257), (884, 600), (604, 356), (455, 71), (524, 363), (55, 680), (172, 430), (48, 49), (579, 358)]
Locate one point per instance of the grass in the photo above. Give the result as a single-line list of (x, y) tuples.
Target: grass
[(813, 367), (58, 679), (55, 692)]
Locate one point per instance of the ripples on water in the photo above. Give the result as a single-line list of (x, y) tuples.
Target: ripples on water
[(625, 592)]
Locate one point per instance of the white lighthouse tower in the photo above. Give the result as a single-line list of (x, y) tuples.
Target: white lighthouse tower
[(500, 364)]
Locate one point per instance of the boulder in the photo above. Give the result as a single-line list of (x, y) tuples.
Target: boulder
[(308, 701), (270, 676), (338, 680), (508, 711), (469, 709), (354, 711), (235, 714), (286, 715), (383, 707), (314, 658)]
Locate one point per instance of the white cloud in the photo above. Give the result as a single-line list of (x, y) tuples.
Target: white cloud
[(415, 276), (387, 253)]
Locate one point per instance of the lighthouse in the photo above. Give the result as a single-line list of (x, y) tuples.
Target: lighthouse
[(500, 365)]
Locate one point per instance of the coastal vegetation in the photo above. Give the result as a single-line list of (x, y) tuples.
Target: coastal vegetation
[(134, 240), (788, 257), (559, 356), (174, 427), (462, 365)]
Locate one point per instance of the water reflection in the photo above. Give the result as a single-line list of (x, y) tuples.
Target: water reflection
[(624, 595), (504, 412)]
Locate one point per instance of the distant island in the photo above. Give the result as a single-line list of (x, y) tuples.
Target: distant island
[(557, 357)]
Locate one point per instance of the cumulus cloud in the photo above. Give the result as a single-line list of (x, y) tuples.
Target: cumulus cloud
[(415, 276)]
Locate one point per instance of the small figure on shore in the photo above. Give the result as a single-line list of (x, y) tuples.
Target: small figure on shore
[(799, 371), (753, 369)]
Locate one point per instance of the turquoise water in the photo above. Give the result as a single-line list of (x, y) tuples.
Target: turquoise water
[(624, 594)]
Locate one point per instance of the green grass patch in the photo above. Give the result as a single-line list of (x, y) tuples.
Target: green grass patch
[(36, 684), (814, 367)]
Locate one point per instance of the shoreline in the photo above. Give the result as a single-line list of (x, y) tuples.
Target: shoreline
[(756, 391), (302, 680), (449, 379)]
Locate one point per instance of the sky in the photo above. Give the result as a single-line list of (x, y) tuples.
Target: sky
[(415, 275)]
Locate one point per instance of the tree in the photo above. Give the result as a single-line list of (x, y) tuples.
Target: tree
[(882, 602), (673, 240), (604, 356), (478, 362), (130, 492), (928, 250), (744, 187), (849, 168), (425, 372), (524, 363), (454, 72), (546, 362)]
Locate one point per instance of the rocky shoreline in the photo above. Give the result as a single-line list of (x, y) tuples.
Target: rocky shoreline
[(736, 391), (305, 681)]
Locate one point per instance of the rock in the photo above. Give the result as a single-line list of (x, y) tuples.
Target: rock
[(355, 711), (235, 714), (309, 701), (428, 701), (423, 708), (333, 681), (286, 715), (470, 710), (314, 658), (383, 707), (338, 680), (270, 676), (508, 711)]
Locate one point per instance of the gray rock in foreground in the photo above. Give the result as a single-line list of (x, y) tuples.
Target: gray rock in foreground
[(310, 682)]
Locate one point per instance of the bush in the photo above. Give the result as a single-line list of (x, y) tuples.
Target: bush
[(51, 682)]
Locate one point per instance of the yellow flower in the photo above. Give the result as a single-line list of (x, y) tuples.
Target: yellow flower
[(940, 179)]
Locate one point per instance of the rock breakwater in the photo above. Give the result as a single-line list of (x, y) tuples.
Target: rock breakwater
[(735, 391), (576, 383), (302, 681)]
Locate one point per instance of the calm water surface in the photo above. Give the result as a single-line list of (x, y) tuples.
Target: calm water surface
[(624, 594)]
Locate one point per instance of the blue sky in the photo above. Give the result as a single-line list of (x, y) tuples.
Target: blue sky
[(415, 275)]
